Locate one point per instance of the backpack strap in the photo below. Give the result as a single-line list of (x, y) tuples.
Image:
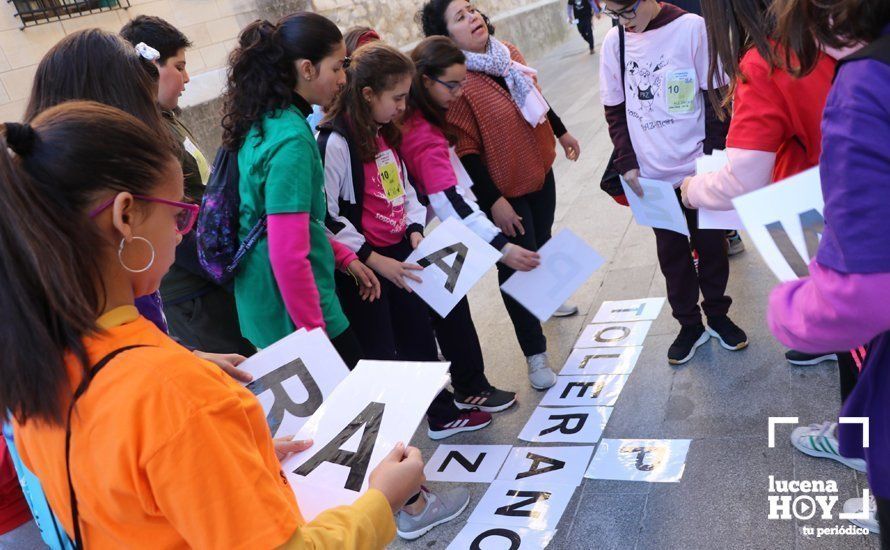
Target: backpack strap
[(352, 212), (81, 389)]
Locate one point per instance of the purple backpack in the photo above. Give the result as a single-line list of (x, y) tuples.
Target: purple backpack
[(219, 248)]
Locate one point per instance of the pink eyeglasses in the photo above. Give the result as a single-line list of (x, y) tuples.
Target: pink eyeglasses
[(185, 219)]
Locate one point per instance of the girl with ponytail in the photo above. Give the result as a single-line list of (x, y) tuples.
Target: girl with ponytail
[(129, 432), (286, 281)]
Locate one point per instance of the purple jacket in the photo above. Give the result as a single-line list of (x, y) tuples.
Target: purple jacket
[(846, 300)]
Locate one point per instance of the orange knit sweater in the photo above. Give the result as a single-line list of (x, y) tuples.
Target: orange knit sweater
[(488, 122)]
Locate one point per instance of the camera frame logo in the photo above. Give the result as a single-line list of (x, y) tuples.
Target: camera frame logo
[(803, 500)]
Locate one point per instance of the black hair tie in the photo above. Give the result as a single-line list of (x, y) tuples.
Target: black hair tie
[(20, 138)]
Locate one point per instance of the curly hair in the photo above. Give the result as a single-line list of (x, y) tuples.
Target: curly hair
[(262, 71)]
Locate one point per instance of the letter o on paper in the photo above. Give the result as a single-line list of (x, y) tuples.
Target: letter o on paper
[(511, 536), (625, 332)]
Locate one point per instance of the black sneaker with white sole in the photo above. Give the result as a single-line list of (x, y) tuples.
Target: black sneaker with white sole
[(729, 334), (491, 400), (802, 359), (689, 340)]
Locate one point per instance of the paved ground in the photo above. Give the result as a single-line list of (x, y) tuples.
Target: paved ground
[(721, 400)]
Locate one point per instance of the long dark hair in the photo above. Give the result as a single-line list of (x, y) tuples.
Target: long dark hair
[(262, 72), (95, 65), (432, 57), (802, 25), (50, 277), (379, 67), (734, 26)]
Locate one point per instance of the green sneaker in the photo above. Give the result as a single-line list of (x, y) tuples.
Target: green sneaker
[(820, 441)]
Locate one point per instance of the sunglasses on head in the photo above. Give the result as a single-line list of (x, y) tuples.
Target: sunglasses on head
[(185, 218)]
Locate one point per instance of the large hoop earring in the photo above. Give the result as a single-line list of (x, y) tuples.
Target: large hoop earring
[(120, 255)]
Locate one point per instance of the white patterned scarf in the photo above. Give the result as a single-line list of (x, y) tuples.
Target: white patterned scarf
[(496, 61)]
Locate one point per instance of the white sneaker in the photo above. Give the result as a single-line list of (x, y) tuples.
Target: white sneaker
[(540, 375), (566, 310), (820, 441), (854, 506)]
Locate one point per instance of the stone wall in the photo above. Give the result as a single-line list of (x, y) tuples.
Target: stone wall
[(534, 27)]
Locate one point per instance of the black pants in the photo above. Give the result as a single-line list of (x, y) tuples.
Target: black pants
[(459, 341), (398, 327), (348, 347), (849, 374), (208, 323), (536, 210), (585, 27), (678, 267)]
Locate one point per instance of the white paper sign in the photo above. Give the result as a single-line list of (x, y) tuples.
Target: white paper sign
[(479, 536), (531, 504), (574, 391), (601, 361), (657, 460), (466, 463), (658, 207), (785, 222), (454, 259), (566, 262), (315, 499), (566, 425), (719, 219), (613, 334), (561, 465), (378, 405), (715, 219), (293, 376), (644, 309)]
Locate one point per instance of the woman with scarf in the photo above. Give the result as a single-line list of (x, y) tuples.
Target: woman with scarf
[(506, 132)]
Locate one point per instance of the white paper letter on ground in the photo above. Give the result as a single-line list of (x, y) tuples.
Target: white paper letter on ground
[(379, 404), (525, 503), (658, 207), (566, 262), (661, 460), (613, 335), (292, 377), (644, 309), (479, 536), (785, 222), (566, 425), (601, 361), (454, 259), (562, 465), (466, 463), (574, 391)]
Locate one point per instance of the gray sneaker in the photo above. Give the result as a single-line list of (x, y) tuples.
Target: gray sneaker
[(566, 310), (440, 508), (540, 375)]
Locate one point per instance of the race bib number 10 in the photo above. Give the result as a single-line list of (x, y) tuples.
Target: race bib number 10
[(681, 92)]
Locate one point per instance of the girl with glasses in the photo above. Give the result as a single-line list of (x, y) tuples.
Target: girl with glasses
[(506, 135), (129, 432)]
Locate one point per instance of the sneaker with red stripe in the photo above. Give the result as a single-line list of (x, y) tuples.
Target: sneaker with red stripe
[(467, 421), (491, 400)]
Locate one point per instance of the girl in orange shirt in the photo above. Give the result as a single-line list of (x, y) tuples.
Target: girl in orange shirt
[(137, 442)]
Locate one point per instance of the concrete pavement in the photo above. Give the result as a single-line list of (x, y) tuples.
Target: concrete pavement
[(720, 400)]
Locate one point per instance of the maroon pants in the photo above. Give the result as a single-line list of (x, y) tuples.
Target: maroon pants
[(678, 267)]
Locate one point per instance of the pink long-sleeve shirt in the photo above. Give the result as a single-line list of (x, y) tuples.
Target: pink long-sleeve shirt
[(289, 254)]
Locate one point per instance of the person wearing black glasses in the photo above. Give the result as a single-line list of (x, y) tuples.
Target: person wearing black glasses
[(652, 79)]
